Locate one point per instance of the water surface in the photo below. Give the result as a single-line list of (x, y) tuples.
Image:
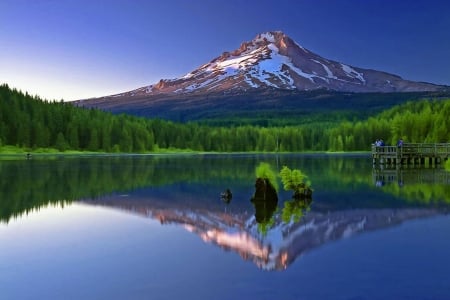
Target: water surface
[(155, 227)]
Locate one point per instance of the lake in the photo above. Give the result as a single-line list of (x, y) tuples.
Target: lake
[(156, 227)]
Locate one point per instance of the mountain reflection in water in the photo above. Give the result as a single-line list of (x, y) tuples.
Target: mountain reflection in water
[(185, 191), (283, 243)]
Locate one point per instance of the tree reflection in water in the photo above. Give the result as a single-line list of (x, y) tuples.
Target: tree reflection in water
[(268, 218), (184, 191), (265, 201), (294, 209)]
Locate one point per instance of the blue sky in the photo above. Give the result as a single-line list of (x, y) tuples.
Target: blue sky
[(74, 49)]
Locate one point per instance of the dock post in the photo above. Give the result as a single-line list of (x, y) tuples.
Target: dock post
[(411, 154)]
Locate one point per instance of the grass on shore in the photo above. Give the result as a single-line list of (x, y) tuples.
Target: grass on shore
[(14, 151), (10, 150)]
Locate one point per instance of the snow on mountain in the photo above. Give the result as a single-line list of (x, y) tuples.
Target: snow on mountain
[(273, 60), (282, 244), (270, 71)]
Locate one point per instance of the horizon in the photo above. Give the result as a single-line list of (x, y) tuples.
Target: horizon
[(86, 49)]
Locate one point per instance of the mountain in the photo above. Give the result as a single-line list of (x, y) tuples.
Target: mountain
[(271, 66), (237, 230)]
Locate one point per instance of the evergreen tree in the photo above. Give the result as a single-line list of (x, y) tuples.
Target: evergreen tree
[(61, 143)]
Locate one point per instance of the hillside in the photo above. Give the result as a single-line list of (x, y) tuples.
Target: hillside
[(30, 123), (270, 107)]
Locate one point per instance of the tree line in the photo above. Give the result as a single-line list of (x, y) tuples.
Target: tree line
[(29, 122)]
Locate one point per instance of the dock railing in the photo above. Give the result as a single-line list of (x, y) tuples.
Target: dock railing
[(411, 153)]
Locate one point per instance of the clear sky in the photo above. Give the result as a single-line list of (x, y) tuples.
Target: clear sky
[(74, 49)]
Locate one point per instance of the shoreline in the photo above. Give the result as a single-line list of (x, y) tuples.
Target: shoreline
[(30, 155)]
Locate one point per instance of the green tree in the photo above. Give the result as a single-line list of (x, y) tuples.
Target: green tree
[(61, 143), (73, 136), (93, 141)]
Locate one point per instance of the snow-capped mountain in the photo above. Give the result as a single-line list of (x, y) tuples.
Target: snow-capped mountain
[(270, 71), (273, 60)]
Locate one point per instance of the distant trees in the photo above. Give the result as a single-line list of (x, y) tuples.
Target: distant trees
[(419, 121), (29, 122)]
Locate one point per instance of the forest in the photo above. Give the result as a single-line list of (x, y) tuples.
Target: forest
[(31, 123)]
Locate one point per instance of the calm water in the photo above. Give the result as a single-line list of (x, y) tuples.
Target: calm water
[(143, 227)]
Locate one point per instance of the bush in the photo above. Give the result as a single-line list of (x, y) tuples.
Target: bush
[(264, 170)]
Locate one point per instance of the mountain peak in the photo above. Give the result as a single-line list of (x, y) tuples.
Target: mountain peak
[(273, 60), (276, 38), (270, 37)]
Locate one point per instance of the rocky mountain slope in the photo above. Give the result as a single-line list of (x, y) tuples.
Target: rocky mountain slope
[(270, 64)]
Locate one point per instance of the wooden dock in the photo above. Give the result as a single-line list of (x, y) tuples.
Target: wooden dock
[(416, 154)]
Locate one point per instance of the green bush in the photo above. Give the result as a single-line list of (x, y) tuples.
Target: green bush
[(264, 170), (295, 181)]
